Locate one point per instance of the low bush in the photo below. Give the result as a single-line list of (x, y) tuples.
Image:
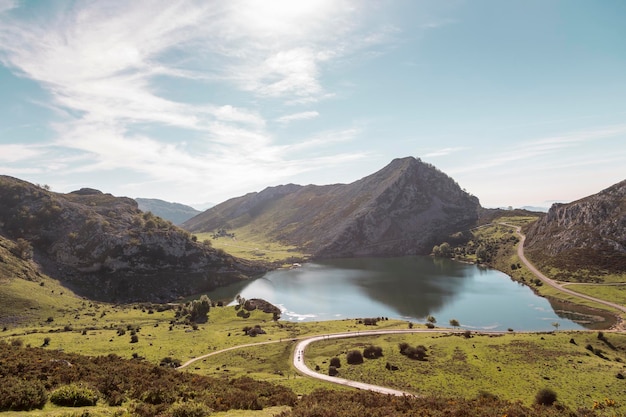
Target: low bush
[(354, 357), (188, 409), (373, 352), (74, 395), (545, 396), (336, 362)]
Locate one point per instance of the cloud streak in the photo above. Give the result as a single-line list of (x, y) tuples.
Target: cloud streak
[(99, 61)]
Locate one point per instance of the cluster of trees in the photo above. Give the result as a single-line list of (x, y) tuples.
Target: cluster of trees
[(196, 311), (222, 233), (463, 246)]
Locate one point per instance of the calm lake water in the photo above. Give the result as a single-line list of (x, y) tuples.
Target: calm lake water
[(410, 288)]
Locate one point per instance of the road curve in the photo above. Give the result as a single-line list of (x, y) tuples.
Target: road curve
[(298, 358), (552, 283)]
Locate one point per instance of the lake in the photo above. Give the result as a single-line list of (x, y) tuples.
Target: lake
[(411, 288)]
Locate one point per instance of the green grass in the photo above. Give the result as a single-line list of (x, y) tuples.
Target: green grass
[(613, 293), (251, 246), (513, 367)]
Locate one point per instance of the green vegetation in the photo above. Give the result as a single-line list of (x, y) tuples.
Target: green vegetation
[(609, 292), (578, 366), (249, 245)]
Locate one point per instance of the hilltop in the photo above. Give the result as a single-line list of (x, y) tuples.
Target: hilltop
[(584, 240), (105, 248), (175, 212), (402, 209)]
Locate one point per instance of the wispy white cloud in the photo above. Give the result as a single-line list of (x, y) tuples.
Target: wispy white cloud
[(443, 152), (15, 152), (100, 61), (536, 148), (305, 115)]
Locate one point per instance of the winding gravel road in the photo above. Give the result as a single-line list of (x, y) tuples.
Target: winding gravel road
[(552, 283)]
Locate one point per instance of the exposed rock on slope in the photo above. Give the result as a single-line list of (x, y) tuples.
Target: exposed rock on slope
[(175, 212), (402, 209), (587, 236), (104, 247)]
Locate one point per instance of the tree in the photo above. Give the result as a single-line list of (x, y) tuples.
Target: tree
[(556, 325), (199, 309), (482, 254), (336, 362), (431, 319), (23, 249), (454, 323)]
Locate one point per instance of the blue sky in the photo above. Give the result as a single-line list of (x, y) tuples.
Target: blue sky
[(521, 102)]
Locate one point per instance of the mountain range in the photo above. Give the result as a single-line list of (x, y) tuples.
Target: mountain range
[(106, 248), (405, 208)]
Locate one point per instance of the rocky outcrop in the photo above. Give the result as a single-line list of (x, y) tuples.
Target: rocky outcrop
[(105, 248), (588, 234), (402, 209)]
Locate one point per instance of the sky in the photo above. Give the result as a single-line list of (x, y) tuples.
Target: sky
[(521, 102)]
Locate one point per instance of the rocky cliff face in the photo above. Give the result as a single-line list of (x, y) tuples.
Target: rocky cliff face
[(402, 209), (588, 234), (104, 247)]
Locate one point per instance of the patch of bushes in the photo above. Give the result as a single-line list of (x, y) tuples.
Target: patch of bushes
[(327, 403), (74, 395), (417, 352), (17, 394)]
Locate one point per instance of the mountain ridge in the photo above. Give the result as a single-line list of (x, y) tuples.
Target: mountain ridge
[(401, 209), (587, 236), (104, 247)]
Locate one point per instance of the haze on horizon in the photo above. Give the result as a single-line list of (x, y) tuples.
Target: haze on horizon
[(522, 103)]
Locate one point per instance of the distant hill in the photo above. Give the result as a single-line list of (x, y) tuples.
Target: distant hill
[(535, 208), (105, 248), (175, 212), (402, 209), (586, 238)]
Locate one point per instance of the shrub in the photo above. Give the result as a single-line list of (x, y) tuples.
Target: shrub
[(170, 362), (134, 339), (46, 342), (373, 352), (354, 357), (188, 409), (17, 394), (332, 371), (545, 396), (336, 362), (74, 395)]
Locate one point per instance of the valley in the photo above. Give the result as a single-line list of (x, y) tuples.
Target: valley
[(89, 274)]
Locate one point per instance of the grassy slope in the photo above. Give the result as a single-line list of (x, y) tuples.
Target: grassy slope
[(513, 366), (247, 245)]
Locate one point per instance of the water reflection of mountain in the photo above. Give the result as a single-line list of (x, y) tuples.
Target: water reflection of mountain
[(414, 286), (587, 317)]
